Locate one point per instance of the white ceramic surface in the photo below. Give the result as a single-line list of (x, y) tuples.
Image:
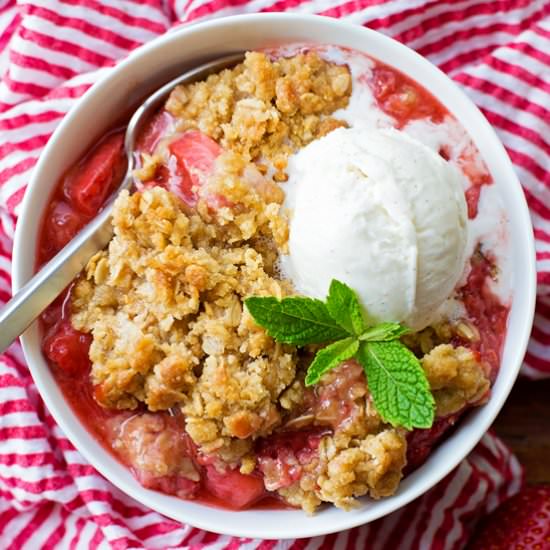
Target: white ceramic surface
[(155, 63)]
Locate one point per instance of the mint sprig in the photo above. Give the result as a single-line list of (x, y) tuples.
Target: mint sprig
[(344, 307), (331, 357), (396, 380), (384, 332), (397, 384), (295, 320)]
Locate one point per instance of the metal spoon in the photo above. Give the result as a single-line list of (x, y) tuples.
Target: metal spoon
[(44, 287)]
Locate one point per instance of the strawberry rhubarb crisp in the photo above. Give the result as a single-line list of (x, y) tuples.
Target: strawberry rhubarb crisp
[(298, 300)]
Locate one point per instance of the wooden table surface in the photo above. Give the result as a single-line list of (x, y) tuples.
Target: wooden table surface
[(524, 425)]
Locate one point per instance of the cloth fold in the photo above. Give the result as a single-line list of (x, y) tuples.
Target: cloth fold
[(52, 51)]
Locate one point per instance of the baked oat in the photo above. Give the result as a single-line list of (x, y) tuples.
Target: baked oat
[(456, 377), (265, 109)]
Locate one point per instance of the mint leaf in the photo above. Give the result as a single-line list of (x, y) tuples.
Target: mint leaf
[(331, 357), (384, 332), (344, 307), (295, 320), (398, 385)]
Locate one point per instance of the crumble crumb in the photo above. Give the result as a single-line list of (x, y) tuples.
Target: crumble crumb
[(371, 466), (457, 378)]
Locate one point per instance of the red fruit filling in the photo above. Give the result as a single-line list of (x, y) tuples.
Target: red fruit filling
[(158, 450), (484, 308), (336, 403), (81, 193), (97, 177), (281, 457), (421, 442), (68, 348), (62, 224), (195, 154), (154, 130), (402, 98), (234, 489)]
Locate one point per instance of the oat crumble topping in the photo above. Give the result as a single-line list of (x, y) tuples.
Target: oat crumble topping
[(164, 301)]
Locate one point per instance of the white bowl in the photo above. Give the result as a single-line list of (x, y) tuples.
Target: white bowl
[(162, 59)]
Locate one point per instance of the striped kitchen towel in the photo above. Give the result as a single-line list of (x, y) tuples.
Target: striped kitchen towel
[(52, 51)]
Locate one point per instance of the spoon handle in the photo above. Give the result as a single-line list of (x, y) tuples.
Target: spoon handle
[(27, 304), (44, 287)]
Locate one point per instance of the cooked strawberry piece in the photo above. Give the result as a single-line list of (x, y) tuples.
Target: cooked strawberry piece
[(62, 224), (521, 522), (472, 200), (403, 103), (421, 442), (98, 176), (170, 485), (402, 98), (195, 154), (68, 348), (474, 169), (485, 310), (384, 83), (282, 470), (158, 450), (155, 128), (234, 489), (281, 457), (339, 395)]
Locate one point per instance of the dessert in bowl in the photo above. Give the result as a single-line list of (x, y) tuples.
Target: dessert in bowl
[(316, 167)]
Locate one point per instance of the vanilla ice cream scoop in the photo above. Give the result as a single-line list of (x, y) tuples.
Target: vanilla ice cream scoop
[(381, 212)]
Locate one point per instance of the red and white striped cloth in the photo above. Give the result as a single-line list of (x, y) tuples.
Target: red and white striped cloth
[(51, 51)]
